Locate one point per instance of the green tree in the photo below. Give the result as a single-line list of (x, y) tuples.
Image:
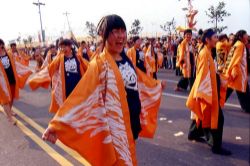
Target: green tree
[(136, 28), (216, 15), (91, 29), (30, 39), (18, 39), (25, 42), (169, 27)]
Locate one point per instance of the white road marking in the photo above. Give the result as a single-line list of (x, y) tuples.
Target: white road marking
[(238, 138), (163, 119), (180, 133), (170, 121)]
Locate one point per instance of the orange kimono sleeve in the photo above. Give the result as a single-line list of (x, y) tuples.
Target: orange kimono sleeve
[(90, 53), (131, 53), (40, 79), (202, 88), (150, 92), (181, 54), (5, 94), (160, 59), (23, 73), (81, 122), (234, 66), (92, 118)]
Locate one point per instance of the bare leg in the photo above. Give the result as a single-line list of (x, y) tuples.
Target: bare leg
[(7, 110), (12, 113)]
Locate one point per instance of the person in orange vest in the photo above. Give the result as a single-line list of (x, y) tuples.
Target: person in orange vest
[(84, 51), (113, 104), (151, 58), (50, 56), (185, 62), (136, 54), (203, 99), (222, 50), (13, 76), (237, 72), (178, 69), (39, 59), (63, 73)]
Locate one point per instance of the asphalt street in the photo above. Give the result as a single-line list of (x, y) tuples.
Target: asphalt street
[(22, 144)]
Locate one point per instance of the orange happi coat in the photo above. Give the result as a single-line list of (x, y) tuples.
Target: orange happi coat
[(150, 62), (236, 66), (184, 58), (95, 119), (203, 97), (54, 74), (21, 74), (222, 50)]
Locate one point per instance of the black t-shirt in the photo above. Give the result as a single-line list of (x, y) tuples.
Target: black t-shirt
[(131, 86), (72, 73), (85, 56), (8, 69), (140, 60)]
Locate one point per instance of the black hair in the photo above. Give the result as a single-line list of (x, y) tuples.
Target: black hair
[(200, 32), (107, 24), (187, 31), (52, 46), (208, 33), (83, 42), (239, 35), (1, 42), (135, 38), (222, 37), (12, 44), (65, 42)]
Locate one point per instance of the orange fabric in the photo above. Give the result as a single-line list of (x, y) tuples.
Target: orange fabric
[(21, 57), (95, 119), (222, 50), (131, 53), (144, 50), (203, 95), (96, 53), (159, 59), (178, 57), (54, 73), (150, 62), (89, 52), (184, 59), (48, 59), (21, 74), (237, 67), (150, 96)]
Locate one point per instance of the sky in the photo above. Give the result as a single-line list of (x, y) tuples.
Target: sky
[(20, 17)]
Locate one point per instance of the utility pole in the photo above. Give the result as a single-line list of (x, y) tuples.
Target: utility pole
[(39, 4), (66, 14)]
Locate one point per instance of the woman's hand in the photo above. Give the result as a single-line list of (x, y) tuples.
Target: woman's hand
[(50, 135)]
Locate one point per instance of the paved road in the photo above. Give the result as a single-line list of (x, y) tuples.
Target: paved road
[(22, 145)]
